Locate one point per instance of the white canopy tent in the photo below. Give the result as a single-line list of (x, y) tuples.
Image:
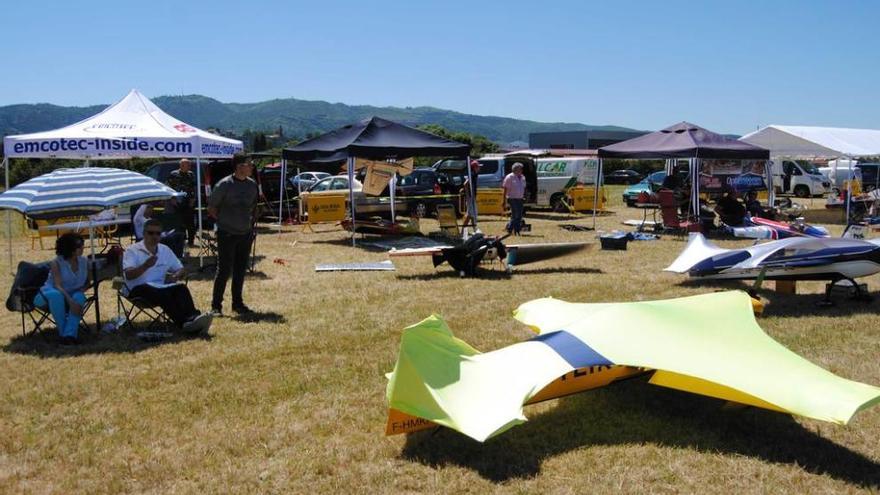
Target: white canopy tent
[(133, 127), (807, 142), (815, 142)]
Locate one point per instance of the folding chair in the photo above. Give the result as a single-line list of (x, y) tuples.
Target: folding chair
[(29, 279), (133, 307), (207, 242), (448, 220), (669, 211)]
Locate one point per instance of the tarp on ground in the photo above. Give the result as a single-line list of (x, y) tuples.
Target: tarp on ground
[(684, 140), (375, 138), (815, 142), (708, 344), (130, 128)]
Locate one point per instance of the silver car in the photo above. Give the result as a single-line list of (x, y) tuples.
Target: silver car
[(363, 205)]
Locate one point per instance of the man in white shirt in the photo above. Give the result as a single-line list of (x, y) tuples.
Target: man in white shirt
[(152, 272)]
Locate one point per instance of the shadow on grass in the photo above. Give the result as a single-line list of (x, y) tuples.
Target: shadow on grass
[(259, 316), (46, 343), (209, 272), (794, 305), (444, 271), (635, 412)]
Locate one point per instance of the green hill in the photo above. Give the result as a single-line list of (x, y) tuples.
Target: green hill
[(298, 118)]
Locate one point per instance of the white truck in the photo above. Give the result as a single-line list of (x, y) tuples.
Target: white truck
[(803, 180)]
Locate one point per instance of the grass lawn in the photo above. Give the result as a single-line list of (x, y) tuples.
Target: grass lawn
[(293, 401)]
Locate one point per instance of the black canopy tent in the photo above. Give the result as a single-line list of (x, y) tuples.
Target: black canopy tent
[(374, 138), (684, 140)]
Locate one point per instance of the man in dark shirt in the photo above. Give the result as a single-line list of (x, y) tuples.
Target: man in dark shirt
[(729, 209), (184, 180), (233, 204)]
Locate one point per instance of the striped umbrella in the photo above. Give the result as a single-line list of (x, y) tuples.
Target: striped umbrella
[(82, 191)]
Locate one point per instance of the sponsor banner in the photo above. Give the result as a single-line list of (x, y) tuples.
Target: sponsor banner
[(490, 201), (98, 147), (742, 175), (326, 208)]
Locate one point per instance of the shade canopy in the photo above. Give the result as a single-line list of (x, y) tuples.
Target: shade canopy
[(375, 138), (82, 191), (684, 140), (133, 127), (815, 142)]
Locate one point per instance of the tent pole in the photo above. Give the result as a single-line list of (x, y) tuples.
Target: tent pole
[(351, 195), (848, 194), (596, 192), (392, 185), (8, 215), (695, 178), (281, 191), (299, 201), (771, 189), (199, 207), (472, 194)]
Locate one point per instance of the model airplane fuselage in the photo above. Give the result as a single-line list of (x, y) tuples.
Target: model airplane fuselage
[(796, 258)]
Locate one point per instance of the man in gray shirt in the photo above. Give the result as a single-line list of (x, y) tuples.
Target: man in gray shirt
[(233, 204)]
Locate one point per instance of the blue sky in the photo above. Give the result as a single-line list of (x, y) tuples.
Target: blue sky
[(729, 66)]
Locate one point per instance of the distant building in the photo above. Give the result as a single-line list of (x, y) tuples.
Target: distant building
[(579, 139)]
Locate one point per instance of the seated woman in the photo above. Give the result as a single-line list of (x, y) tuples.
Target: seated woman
[(729, 209), (62, 294)]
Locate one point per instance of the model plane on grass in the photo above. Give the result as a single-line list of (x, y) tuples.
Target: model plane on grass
[(466, 256), (709, 345), (762, 228), (795, 258)]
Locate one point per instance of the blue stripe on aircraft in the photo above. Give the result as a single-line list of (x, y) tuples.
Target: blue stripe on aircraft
[(572, 349)]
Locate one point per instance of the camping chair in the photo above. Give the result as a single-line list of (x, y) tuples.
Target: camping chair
[(207, 243), (672, 222), (29, 279), (132, 307), (448, 220)]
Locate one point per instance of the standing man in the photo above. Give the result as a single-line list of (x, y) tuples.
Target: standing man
[(233, 204), (184, 180), (514, 192)]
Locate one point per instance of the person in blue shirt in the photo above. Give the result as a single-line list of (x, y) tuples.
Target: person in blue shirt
[(63, 293)]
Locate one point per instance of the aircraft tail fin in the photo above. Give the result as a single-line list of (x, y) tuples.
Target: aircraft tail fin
[(698, 248)]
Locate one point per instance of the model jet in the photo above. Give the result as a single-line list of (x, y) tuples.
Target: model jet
[(709, 345), (762, 228), (466, 256), (795, 258)]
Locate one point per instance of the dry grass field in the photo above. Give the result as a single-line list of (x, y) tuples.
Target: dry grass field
[(292, 401)]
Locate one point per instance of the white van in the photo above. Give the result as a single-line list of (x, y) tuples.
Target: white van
[(802, 180), (554, 174), (545, 177)]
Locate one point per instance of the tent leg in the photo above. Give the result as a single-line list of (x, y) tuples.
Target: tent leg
[(281, 191), (597, 191), (199, 208), (472, 206), (351, 196), (8, 216)]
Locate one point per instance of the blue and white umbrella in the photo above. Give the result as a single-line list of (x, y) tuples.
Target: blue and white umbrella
[(82, 191)]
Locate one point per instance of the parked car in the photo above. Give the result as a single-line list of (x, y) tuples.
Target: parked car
[(305, 180), (365, 206), (623, 177), (649, 184), (420, 183)]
